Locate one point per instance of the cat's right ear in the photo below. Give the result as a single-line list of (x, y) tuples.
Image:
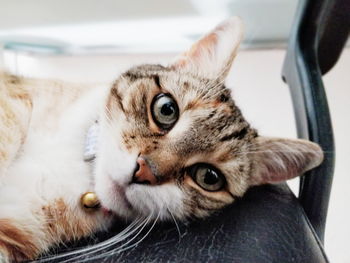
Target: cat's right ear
[(277, 159), (212, 55)]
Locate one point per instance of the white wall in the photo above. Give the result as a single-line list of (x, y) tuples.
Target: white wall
[(1, 57)]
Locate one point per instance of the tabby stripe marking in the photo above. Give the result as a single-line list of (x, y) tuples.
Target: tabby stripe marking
[(236, 134)]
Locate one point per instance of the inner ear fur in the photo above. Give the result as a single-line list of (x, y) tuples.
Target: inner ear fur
[(212, 56), (278, 159)]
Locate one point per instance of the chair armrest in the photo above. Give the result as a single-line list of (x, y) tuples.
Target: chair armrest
[(313, 49)]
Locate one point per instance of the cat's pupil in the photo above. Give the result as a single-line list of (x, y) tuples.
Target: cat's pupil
[(211, 177), (167, 109)]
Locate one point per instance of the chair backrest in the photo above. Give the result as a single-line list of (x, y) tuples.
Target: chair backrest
[(318, 36)]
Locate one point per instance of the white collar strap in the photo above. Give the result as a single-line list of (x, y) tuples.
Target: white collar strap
[(91, 142)]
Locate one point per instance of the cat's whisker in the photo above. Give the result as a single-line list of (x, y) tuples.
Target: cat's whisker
[(131, 246), (136, 226), (105, 244), (100, 246), (139, 232), (114, 240), (124, 246), (176, 224)]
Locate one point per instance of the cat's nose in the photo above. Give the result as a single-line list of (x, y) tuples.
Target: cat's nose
[(143, 173)]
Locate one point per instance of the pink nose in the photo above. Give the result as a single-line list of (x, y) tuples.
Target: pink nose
[(143, 174)]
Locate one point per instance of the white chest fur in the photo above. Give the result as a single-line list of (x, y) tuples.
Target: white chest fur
[(51, 164)]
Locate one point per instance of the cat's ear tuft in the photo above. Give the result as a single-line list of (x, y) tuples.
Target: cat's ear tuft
[(277, 160), (213, 54)]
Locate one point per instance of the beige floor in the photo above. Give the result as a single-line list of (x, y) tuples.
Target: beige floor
[(264, 99)]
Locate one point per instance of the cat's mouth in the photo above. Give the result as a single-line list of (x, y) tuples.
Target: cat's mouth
[(113, 197), (120, 192)]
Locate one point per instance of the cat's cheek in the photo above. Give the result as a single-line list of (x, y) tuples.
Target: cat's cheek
[(103, 192), (113, 172), (165, 201), (113, 160), (112, 198)]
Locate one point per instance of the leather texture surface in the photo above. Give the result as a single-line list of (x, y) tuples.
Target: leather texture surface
[(266, 225)]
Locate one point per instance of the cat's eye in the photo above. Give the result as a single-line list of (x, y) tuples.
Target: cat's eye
[(165, 111), (207, 177)]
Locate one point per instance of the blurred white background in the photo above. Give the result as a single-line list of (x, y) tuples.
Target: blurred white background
[(93, 41)]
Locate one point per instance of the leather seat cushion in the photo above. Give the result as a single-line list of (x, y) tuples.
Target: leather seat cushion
[(266, 225)]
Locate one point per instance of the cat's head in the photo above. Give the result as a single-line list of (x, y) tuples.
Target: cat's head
[(173, 141)]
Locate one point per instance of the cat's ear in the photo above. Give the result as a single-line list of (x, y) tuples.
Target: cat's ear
[(212, 55), (277, 160)]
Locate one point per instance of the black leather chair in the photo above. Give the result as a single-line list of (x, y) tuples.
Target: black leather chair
[(270, 224)]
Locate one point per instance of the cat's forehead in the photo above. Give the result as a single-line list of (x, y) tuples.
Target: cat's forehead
[(181, 84)]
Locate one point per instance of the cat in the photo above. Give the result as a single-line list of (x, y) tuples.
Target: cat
[(170, 143)]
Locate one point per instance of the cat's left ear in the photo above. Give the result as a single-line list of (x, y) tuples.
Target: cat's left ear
[(212, 55), (277, 160)]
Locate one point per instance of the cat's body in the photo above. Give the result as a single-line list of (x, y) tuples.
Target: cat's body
[(172, 143), (40, 190)]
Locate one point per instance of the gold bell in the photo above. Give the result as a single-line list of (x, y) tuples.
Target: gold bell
[(89, 201)]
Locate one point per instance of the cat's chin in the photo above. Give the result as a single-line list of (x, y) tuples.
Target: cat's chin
[(113, 199)]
